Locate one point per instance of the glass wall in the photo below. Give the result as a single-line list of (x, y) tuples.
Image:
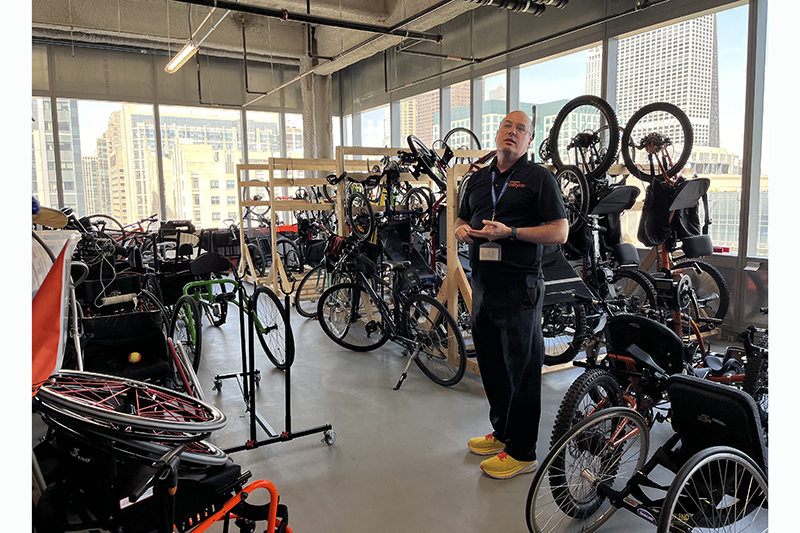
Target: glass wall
[(201, 148), (698, 65), (419, 116), (376, 128), (493, 107), (460, 112), (44, 178)]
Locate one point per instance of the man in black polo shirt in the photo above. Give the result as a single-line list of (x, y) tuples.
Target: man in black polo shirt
[(509, 210)]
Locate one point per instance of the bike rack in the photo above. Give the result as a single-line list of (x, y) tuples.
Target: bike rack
[(248, 385)]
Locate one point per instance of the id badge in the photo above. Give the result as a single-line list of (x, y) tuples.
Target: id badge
[(490, 251)]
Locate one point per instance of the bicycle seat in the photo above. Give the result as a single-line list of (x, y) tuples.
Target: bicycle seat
[(617, 200), (397, 266), (658, 341), (687, 193), (208, 263)]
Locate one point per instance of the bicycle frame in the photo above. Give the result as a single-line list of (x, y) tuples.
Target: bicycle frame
[(202, 290)]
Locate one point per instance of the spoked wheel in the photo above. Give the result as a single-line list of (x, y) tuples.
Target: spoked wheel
[(429, 161), (128, 407), (149, 302), (718, 489), (420, 202), (462, 139), (312, 286), (259, 261), (442, 354), (566, 494), (585, 134), (186, 328), (350, 318), (575, 191), (630, 291), (359, 215), (217, 309), (593, 391), (710, 287), (108, 226), (657, 141), (269, 318), (563, 326), (290, 255)]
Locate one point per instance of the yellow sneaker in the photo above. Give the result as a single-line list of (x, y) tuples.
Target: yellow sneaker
[(503, 466), (487, 445)]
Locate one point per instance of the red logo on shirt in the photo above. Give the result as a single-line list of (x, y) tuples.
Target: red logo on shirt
[(516, 184)]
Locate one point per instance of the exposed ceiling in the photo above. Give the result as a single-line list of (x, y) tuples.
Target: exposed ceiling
[(165, 25)]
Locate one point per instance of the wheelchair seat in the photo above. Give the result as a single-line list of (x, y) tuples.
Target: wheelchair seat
[(660, 342), (707, 414)]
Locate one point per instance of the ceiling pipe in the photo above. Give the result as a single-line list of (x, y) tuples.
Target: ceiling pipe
[(284, 14)]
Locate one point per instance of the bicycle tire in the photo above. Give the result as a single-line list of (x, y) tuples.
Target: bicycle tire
[(150, 302), (667, 125), (179, 328), (359, 215), (594, 390), (575, 191), (186, 380), (562, 497), (630, 291), (434, 336), (713, 293), (429, 161), (713, 489), (126, 404), (420, 202), (311, 287), (270, 323), (341, 316), (563, 328), (289, 254), (472, 141), (597, 152), (108, 226), (756, 383), (258, 259)]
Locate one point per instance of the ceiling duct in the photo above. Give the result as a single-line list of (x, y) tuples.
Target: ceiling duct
[(534, 7)]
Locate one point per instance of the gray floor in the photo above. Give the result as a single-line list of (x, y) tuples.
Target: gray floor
[(399, 462)]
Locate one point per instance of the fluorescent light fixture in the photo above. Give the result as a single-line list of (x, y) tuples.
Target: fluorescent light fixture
[(188, 50)]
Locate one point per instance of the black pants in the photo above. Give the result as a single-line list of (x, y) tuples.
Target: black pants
[(507, 334)]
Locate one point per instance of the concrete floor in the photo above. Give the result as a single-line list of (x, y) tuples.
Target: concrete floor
[(400, 461)]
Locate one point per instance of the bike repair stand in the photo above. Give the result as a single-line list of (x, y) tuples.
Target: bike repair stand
[(250, 374)]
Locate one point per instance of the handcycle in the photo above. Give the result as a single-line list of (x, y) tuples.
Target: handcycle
[(127, 456), (357, 317), (716, 454), (214, 294)]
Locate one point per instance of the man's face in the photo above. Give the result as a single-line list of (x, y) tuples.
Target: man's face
[(514, 135)]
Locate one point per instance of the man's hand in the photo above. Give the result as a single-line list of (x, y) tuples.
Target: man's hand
[(462, 233), (492, 230)]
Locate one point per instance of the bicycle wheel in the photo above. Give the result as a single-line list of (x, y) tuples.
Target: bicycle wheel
[(594, 390), (290, 255), (442, 354), (420, 203), (350, 318), (756, 383), (575, 191), (312, 286), (429, 161), (657, 141), (258, 259), (566, 494), (269, 318), (563, 327), (126, 405), (578, 136), (216, 308), (150, 302), (630, 291), (717, 489), (710, 287), (186, 380), (186, 328), (108, 226), (359, 215)]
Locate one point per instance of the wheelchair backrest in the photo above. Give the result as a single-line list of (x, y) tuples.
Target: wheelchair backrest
[(706, 414), (660, 342)]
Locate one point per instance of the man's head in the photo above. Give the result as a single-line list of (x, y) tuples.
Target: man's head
[(514, 136)]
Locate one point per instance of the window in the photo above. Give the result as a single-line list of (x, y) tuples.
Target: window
[(376, 128), (197, 143), (263, 140), (714, 72), (230, 184), (493, 107), (294, 135), (419, 116), (231, 200)]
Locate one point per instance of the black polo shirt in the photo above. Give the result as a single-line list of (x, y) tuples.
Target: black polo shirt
[(531, 198)]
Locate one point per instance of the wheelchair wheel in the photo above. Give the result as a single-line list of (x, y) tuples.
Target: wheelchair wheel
[(125, 407), (186, 328), (604, 450), (717, 489), (270, 324)]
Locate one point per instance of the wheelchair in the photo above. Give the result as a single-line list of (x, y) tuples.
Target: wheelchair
[(717, 456), (126, 456)]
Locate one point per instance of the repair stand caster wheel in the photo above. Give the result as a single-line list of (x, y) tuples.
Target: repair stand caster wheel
[(329, 437), (217, 385)]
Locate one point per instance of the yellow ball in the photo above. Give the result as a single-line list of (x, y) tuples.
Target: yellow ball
[(135, 357)]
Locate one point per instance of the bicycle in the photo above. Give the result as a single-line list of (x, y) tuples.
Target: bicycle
[(264, 307), (356, 316)]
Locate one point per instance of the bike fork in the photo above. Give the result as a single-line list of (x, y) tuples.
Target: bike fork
[(405, 370)]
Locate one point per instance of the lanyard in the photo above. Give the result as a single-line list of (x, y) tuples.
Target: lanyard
[(495, 197)]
